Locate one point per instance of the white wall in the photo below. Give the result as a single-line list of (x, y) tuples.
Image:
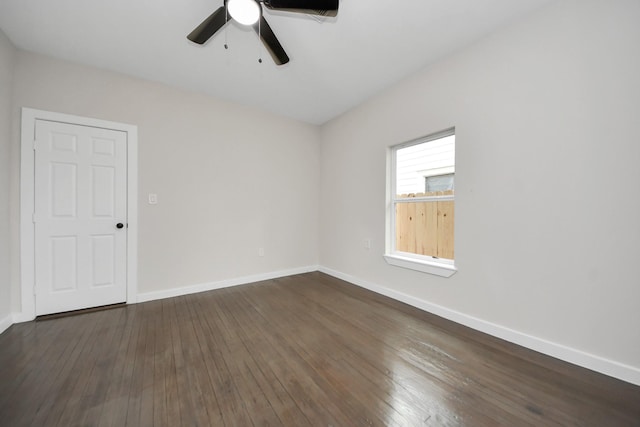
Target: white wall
[(229, 179), (547, 200), (6, 81)]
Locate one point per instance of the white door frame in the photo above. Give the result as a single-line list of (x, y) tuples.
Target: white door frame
[(27, 192)]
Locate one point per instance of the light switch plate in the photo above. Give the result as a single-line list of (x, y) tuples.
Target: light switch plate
[(153, 198)]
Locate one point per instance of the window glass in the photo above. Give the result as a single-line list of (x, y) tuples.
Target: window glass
[(423, 197), (438, 183)]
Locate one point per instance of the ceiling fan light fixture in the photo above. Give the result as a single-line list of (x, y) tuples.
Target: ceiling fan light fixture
[(245, 12), (249, 12)]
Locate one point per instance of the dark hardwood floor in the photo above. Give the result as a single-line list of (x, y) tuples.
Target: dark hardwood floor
[(302, 350)]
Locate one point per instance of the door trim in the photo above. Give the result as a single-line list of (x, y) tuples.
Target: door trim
[(27, 194)]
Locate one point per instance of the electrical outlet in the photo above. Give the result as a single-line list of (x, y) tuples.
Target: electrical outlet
[(367, 244)]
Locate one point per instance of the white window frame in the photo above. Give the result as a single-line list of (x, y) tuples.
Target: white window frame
[(426, 264)]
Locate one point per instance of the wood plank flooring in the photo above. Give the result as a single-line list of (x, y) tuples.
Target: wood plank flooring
[(305, 350)]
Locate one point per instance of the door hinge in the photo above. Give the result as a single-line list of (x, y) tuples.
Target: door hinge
[(34, 145), (33, 218)]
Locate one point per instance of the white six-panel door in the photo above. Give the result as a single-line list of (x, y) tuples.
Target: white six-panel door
[(80, 216)]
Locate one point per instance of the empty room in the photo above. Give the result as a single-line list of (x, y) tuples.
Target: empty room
[(320, 213)]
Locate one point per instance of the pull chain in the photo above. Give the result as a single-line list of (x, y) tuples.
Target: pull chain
[(259, 41), (226, 27)]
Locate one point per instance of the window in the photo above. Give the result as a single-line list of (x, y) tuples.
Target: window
[(421, 204), (438, 183)]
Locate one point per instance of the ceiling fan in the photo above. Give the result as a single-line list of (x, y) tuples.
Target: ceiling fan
[(249, 13)]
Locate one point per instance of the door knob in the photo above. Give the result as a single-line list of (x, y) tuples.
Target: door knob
[(119, 225)]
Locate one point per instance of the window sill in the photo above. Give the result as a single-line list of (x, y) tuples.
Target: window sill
[(430, 267)]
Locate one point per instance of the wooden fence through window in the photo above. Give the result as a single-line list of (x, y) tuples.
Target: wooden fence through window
[(426, 227)]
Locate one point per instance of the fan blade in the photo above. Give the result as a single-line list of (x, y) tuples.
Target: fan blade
[(209, 26), (270, 41), (314, 7)]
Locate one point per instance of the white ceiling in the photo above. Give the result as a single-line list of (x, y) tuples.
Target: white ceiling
[(335, 64)]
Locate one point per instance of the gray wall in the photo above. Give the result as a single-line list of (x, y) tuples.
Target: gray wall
[(547, 201), (229, 179), (7, 53)]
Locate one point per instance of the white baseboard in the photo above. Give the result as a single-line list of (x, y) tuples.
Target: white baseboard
[(21, 317), (202, 287), (5, 323), (608, 367), (605, 366)]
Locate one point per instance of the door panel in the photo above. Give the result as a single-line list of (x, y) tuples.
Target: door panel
[(103, 260), (63, 177), (103, 191), (80, 196), (63, 264)]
